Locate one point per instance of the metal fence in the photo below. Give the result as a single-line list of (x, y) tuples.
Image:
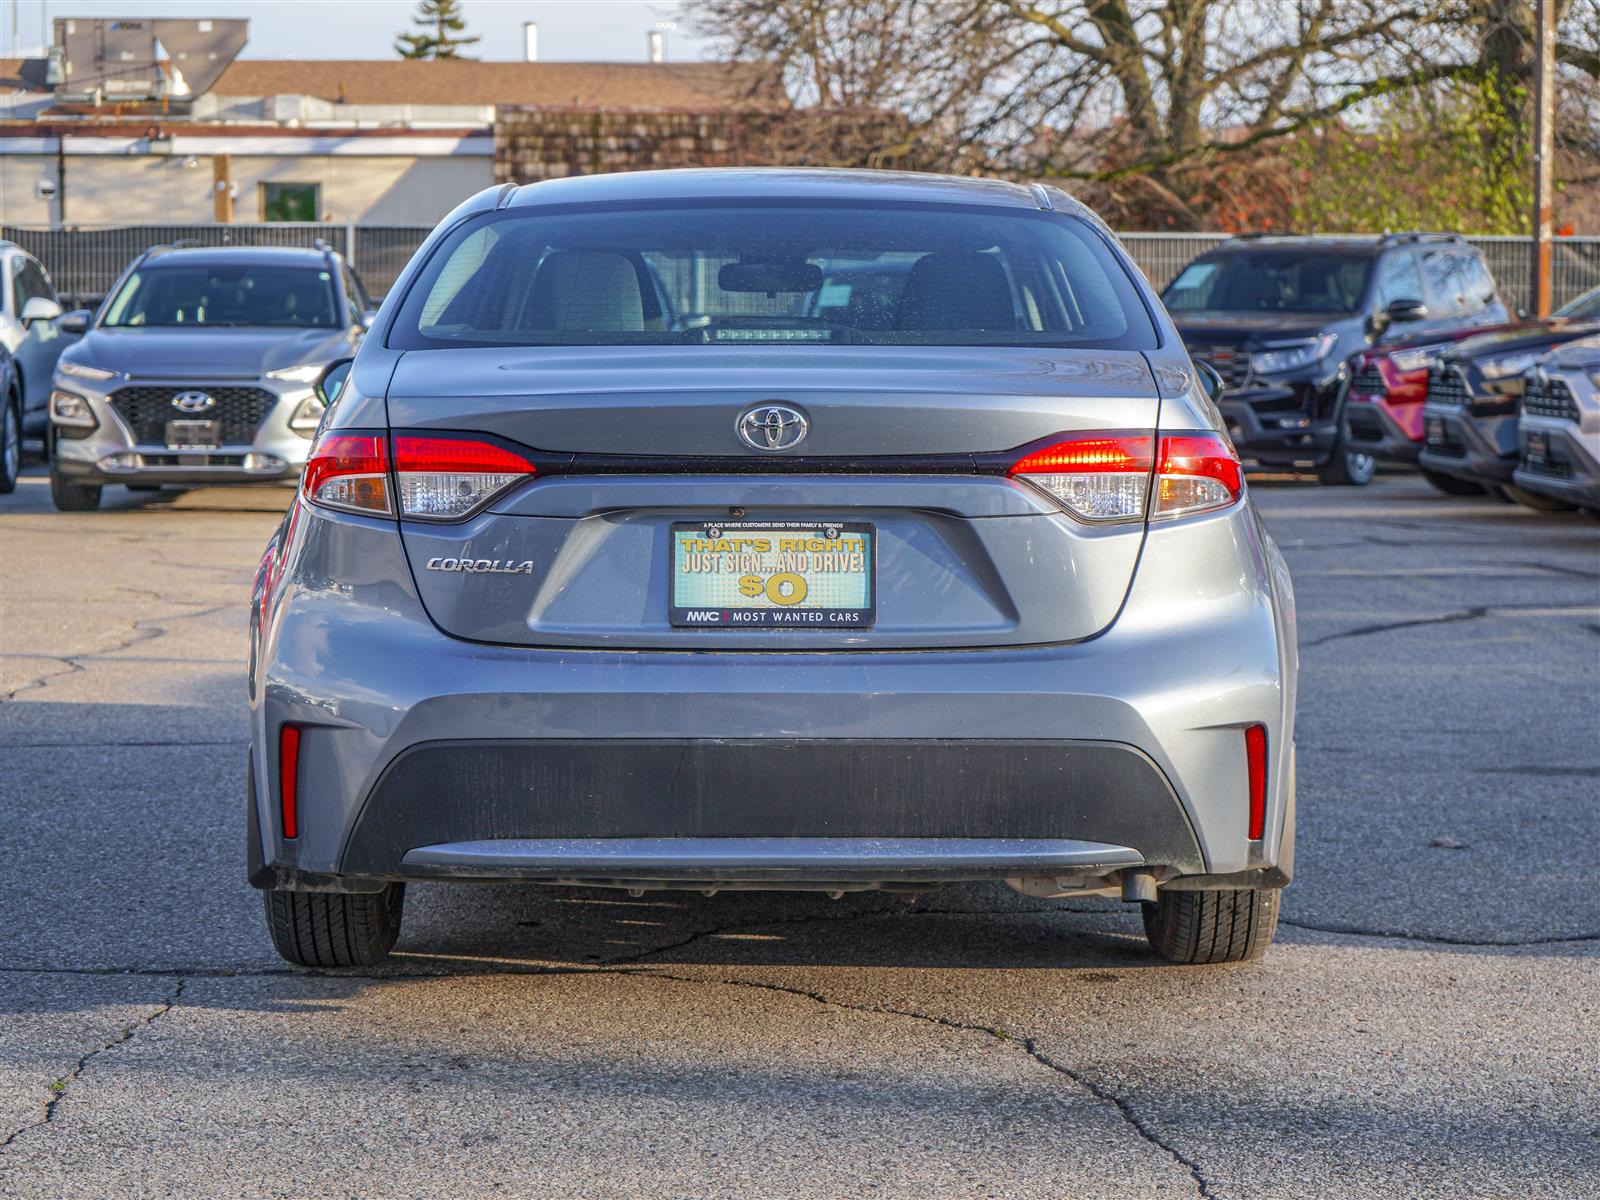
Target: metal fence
[(84, 261)]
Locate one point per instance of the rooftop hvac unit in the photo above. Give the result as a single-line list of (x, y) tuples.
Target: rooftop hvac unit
[(103, 59)]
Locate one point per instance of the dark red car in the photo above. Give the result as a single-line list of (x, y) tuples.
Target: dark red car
[(1388, 387)]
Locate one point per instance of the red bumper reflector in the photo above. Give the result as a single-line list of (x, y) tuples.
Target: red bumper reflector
[(289, 778), (1255, 753)]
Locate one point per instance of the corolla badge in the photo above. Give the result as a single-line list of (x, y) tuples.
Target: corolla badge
[(772, 427), (482, 566), (193, 402)]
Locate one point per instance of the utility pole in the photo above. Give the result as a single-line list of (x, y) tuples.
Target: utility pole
[(222, 188), (1544, 151)]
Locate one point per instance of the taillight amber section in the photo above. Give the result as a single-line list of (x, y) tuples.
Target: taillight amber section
[(349, 470)]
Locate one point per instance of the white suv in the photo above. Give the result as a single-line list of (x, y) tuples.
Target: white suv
[(1558, 433)]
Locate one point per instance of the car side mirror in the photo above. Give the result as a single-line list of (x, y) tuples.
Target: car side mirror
[(331, 382), (1406, 310), (40, 308), (367, 318), (76, 321), (1210, 382)]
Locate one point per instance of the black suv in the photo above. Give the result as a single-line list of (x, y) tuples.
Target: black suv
[(1279, 318)]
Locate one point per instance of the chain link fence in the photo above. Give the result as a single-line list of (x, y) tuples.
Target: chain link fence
[(84, 261)]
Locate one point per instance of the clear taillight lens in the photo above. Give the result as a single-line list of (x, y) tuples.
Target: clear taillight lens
[(349, 470), (445, 478), (1105, 477)]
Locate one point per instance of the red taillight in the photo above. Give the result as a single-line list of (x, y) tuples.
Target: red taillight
[(289, 778), (1095, 477), (1255, 754), (1106, 476), (1196, 473), (445, 478), (349, 470)]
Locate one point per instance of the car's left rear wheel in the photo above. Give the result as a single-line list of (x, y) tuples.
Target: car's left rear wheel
[(1231, 925), (321, 929)]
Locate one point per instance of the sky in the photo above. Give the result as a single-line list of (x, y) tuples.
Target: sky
[(569, 30)]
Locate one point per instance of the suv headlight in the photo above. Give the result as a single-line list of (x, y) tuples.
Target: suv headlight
[(83, 371), (1512, 364), (1278, 357), (307, 416), (1423, 358), (304, 373), (71, 411)]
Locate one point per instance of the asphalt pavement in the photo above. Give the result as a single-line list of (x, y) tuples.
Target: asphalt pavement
[(1426, 1024)]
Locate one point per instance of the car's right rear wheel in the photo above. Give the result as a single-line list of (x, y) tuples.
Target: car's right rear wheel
[(1221, 926), (334, 929), (1452, 486), (1534, 500)]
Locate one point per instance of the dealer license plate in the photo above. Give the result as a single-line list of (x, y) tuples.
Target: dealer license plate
[(194, 435), (1537, 449), (774, 575)]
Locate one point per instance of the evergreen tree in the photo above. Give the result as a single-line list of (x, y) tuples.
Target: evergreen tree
[(439, 27)]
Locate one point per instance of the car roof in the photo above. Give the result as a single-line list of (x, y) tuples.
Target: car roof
[(245, 256), (782, 183)]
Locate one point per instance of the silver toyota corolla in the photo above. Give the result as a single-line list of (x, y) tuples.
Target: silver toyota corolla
[(772, 529), (198, 369)]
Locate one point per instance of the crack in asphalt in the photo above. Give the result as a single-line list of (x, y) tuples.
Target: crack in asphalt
[(1028, 1045), (1470, 614), (60, 1086), (142, 632)]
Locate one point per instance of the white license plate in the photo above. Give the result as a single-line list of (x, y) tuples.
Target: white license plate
[(774, 575)]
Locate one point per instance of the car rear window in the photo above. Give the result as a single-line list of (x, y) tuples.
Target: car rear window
[(224, 296), (1270, 281), (741, 274)]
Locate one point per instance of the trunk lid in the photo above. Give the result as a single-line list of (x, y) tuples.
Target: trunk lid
[(636, 440)]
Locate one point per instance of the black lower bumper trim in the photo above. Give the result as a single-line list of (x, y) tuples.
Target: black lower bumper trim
[(541, 790)]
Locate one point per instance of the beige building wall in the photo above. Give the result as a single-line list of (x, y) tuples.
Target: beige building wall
[(107, 189)]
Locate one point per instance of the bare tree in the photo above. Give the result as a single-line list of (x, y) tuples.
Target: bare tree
[(1143, 101)]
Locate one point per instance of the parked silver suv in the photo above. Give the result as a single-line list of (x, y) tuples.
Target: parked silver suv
[(777, 529), (1558, 431), (197, 368)]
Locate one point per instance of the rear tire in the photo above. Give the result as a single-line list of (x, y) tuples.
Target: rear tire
[(331, 929), (10, 446), (1346, 467), (1451, 486), (1222, 926), (1534, 500)]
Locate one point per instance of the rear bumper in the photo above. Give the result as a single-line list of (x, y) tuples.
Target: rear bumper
[(1482, 449), (933, 805), (425, 757), (766, 860)]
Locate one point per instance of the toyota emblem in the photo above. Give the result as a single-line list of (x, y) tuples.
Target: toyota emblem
[(193, 402), (773, 427)]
